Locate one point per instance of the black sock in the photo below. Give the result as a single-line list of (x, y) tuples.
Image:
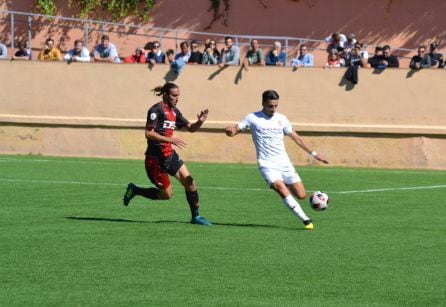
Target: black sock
[(151, 193), (192, 199)]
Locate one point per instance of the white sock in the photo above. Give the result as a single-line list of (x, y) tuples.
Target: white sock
[(294, 206)]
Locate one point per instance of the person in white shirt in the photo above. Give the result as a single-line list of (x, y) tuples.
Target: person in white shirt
[(78, 54), (268, 129)]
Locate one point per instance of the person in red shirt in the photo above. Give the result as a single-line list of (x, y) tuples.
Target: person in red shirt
[(138, 57), (161, 159)]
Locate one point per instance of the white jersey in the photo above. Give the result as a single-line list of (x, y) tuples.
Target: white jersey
[(267, 134)]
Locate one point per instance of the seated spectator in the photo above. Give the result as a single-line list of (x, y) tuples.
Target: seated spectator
[(106, 51), (78, 54), (230, 54), (276, 56), (436, 59), (376, 60), (3, 51), (195, 55), (185, 52), (137, 57), (334, 60), (49, 52), (155, 55), (303, 59), (335, 41), (24, 53), (254, 56), (364, 54), (176, 65), (211, 55), (355, 59), (389, 60), (421, 60)]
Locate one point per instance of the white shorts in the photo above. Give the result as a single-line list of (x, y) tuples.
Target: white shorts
[(287, 174)]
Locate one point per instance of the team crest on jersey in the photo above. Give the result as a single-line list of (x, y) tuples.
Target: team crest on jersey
[(153, 116)]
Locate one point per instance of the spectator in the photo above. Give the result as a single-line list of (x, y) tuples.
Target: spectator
[(303, 59), (78, 54), (155, 55), (364, 54), (336, 41), (49, 52), (334, 60), (350, 43), (276, 56), (230, 54), (211, 55), (24, 53), (376, 60), (254, 56), (195, 55), (185, 52), (355, 58), (436, 59), (3, 51), (177, 65), (421, 60), (106, 51), (138, 57), (389, 60)]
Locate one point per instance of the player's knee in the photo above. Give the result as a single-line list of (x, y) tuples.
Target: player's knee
[(189, 183), (165, 194), (301, 194)]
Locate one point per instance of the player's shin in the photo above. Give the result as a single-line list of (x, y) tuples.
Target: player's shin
[(294, 206), (193, 201), (151, 193)]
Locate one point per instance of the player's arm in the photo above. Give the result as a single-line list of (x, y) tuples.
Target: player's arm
[(300, 142), (151, 134), (232, 130), (201, 118)]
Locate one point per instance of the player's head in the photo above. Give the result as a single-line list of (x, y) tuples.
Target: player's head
[(170, 93), (270, 101)]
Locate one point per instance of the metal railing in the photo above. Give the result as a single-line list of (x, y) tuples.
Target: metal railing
[(89, 26)]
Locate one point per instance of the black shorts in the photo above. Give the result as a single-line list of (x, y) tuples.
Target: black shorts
[(171, 164), (157, 169)]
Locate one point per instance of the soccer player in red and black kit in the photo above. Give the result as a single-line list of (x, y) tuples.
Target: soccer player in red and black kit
[(161, 160)]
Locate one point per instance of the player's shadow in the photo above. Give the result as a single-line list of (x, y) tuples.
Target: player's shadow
[(118, 220), (171, 75), (411, 72), (217, 72), (238, 76)]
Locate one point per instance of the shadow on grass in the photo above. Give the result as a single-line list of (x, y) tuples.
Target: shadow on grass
[(105, 219)]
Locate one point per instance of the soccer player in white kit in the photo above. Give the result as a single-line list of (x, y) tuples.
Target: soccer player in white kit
[(268, 129)]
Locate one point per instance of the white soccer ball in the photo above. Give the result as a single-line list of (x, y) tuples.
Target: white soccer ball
[(319, 201)]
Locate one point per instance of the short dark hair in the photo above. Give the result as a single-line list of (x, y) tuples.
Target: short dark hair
[(184, 44), (386, 47), (170, 52), (269, 95), (228, 37), (105, 37), (49, 40), (77, 42)]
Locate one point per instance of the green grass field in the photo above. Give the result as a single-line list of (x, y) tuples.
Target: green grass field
[(66, 239)]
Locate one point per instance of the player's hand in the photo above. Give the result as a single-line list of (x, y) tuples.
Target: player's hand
[(320, 158), (203, 115), (179, 143), (230, 130)]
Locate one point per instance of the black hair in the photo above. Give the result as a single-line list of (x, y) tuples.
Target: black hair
[(165, 89), (49, 40), (105, 37), (169, 52), (270, 95)]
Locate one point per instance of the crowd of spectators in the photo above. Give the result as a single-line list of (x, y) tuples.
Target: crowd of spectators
[(342, 51)]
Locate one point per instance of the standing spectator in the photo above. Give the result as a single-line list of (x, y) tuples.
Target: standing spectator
[(155, 55), (436, 59), (185, 52), (137, 57), (334, 60), (355, 59), (177, 65), (376, 60), (276, 57), (364, 54), (254, 56), (389, 60), (195, 55), (211, 55), (24, 53), (49, 52), (3, 51), (336, 41), (230, 54), (303, 59), (350, 43), (106, 51), (78, 54), (421, 60)]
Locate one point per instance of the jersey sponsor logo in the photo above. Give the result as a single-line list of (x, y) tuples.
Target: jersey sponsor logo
[(153, 116), (168, 124)]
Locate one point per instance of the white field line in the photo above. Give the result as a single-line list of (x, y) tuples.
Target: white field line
[(216, 165), (33, 181)]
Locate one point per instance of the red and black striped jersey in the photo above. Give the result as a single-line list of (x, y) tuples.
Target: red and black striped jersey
[(163, 119)]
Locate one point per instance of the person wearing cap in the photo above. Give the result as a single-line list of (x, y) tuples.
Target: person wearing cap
[(436, 59)]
